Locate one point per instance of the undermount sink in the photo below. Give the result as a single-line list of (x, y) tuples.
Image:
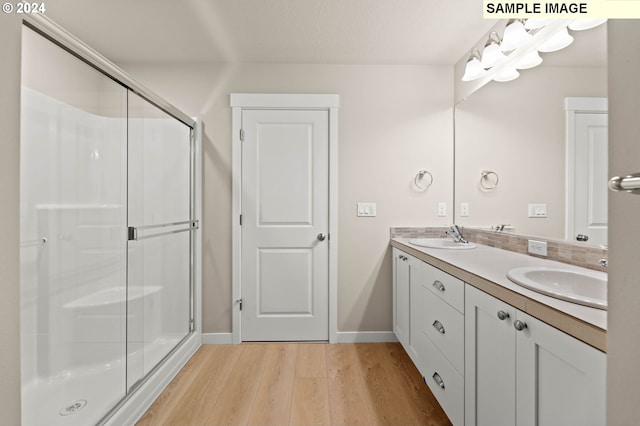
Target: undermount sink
[(441, 243), (587, 288)]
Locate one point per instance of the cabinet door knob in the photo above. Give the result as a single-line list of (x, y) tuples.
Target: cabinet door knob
[(438, 380), (438, 326), (502, 315), (438, 285), (519, 325)]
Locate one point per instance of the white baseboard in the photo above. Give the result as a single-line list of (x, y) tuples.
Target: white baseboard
[(366, 336), (217, 338), (343, 337)]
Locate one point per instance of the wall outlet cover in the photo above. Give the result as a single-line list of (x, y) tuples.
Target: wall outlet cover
[(442, 209), (537, 247), (464, 209)]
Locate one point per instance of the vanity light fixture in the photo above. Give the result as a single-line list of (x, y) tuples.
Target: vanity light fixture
[(558, 41), (473, 69), (529, 60), (521, 42), (506, 74), (492, 53), (534, 24), (514, 35), (585, 24)]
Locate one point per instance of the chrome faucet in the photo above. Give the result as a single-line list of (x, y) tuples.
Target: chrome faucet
[(455, 233)]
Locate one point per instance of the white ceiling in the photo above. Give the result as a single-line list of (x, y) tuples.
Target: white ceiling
[(294, 31), (281, 31)]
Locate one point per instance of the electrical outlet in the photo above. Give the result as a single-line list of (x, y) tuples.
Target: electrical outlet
[(537, 210), (464, 209), (537, 247), (442, 209)]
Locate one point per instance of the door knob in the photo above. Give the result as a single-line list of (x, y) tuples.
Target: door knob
[(582, 237), (321, 237)]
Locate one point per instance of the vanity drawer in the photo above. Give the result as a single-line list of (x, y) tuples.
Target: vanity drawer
[(445, 286), (444, 381), (444, 326)]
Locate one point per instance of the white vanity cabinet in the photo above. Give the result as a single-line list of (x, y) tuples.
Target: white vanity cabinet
[(407, 272), (440, 339), (521, 371)]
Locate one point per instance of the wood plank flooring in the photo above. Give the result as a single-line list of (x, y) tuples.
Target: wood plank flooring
[(297, 384)]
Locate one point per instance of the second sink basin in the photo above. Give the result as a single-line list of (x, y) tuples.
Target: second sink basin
[(587, 288), (441, 243)]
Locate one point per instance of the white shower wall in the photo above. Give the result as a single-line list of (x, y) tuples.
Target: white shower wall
[(98, 312), (73, 223)]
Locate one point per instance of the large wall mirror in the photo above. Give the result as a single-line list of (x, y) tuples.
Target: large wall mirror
[(513, 163)]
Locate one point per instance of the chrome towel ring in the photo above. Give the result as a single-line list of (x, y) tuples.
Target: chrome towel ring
[(421, 176), (485, 176)]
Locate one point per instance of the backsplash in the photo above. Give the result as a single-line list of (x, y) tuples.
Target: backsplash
[(561, 251)]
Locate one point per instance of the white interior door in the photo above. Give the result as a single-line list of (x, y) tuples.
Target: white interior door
[(591, 176), (285, 223)]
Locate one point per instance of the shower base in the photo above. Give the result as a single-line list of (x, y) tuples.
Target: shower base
[(82, 396)]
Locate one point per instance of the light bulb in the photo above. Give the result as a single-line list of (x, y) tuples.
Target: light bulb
[(558, 41), (529, 60), (473, 70), (532, 24), (506, 75), (491, 54), (586, 24), (514, 36)]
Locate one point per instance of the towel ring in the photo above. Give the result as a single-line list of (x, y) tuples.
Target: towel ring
[(484, 176), (419, 176)]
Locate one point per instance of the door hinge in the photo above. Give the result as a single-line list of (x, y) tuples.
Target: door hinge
[(240, 220), (239, 302), (241, 135)]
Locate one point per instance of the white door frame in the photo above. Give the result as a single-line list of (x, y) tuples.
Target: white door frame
[(240, 101), (572, 107)]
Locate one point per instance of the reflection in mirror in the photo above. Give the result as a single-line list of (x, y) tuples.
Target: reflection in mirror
[(518, 131)]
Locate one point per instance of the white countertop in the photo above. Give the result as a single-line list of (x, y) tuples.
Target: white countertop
[(492, 264)]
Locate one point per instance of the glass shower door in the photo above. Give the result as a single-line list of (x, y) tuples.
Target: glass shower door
[(159, 247), (73, 230)]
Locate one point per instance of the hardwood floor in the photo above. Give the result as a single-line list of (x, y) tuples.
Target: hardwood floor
[(297, 384)]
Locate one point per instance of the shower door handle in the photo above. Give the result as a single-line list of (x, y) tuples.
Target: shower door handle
[(134, 231)]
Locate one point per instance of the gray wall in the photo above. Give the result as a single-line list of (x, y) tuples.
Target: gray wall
[(393, 121), (10, 29)]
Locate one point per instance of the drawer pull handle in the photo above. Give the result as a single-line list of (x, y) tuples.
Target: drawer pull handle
[(438, 285), (502, 315), (438, 380), (438, 326)]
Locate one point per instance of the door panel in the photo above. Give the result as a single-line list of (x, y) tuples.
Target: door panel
[(284, 209), (285, 271), (159, 209), (591, 144)]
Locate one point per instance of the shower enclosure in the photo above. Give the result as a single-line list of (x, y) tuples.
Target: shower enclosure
[(108, 229)]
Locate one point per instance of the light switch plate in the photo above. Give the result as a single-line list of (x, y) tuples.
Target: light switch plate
[(367, 209)]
